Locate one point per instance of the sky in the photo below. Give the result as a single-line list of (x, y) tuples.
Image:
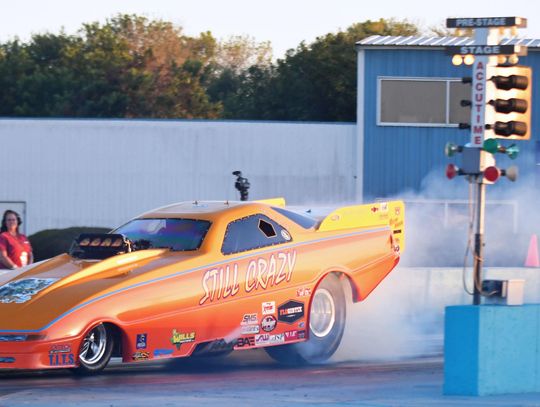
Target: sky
[(285, 23)]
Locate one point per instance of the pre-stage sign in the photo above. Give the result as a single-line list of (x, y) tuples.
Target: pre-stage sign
[(486, 22)]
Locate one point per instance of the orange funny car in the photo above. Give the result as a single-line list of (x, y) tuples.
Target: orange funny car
[(199, 278)]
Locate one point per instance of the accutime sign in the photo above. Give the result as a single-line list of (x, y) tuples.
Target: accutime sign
[(478, 103)]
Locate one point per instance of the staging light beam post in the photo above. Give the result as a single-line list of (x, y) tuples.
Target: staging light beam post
[(489, 113)]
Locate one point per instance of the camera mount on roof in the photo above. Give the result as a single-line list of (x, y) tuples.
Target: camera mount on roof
[(242, 185)]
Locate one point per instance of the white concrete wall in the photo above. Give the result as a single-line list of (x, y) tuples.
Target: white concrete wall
[(103, 172)]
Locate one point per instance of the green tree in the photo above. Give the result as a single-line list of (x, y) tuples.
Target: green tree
[(134, 67), (238, 61), (34, 78), (149, 68), (238, 53), (127, 67), (315, 82)]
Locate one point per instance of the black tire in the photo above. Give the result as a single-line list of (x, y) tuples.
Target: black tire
[(325, 332), (95, 350)]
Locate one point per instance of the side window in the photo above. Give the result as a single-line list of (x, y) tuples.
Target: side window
[(253, 232)]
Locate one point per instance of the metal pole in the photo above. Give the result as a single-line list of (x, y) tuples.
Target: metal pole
[(479, 240)]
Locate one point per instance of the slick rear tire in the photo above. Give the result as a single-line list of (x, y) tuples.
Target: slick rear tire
[(326, 325), (95, 350)]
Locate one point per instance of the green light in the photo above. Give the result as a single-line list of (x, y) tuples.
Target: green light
[(450, 149), (512, 151), (491, 146)]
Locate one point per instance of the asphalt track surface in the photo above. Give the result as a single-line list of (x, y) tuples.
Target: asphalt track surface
[(246, 378)]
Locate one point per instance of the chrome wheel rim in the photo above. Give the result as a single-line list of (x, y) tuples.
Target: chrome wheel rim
[(94, 345), (323, 313)]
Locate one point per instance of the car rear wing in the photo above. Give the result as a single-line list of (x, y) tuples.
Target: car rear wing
[(379, 214)]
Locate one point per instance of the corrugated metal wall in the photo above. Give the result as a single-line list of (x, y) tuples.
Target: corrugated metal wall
[(103, 172), (398, 159)]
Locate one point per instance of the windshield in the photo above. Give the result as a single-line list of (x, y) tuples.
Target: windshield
[(174, 234)]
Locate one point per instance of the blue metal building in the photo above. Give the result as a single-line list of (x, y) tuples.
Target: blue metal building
[(408, 109)]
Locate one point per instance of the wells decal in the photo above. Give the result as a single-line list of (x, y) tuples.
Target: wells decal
[(178, 338), (260, 274)]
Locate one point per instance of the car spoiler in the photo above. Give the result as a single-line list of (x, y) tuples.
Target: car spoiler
[(380, 214)]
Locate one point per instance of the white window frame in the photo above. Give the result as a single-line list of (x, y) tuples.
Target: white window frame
[(416, 79)]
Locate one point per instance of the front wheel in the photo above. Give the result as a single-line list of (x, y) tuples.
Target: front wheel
[(326, 325), (96, 350)]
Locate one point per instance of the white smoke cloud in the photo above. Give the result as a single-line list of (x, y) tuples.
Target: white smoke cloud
[(404, 316), (390, 324)]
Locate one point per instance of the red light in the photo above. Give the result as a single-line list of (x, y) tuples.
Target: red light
[(451, 171), (492, 174)]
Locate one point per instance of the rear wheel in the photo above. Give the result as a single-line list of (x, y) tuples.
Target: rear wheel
[(326, 325), (96, 350)]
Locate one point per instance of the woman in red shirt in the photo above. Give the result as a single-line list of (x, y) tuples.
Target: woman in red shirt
[(15, 249)]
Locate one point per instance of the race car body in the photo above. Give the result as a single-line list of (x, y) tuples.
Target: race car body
[(199, 278)]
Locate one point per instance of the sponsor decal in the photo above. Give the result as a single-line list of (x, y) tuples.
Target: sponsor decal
[(60, 355), (178, 338), (291, 311), (294, 335), (249, 329), (303, 292), (260, 274), (249, 319), (285, 235), (268, 323), (245, 342), (277, 338), (269, 308), (59, 349), (162, 352), (302, 324), (268, 339), (291, 336), (21, 291), (395, 223), (61, 359), (141, 355), (262, 339), (141, 341)]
